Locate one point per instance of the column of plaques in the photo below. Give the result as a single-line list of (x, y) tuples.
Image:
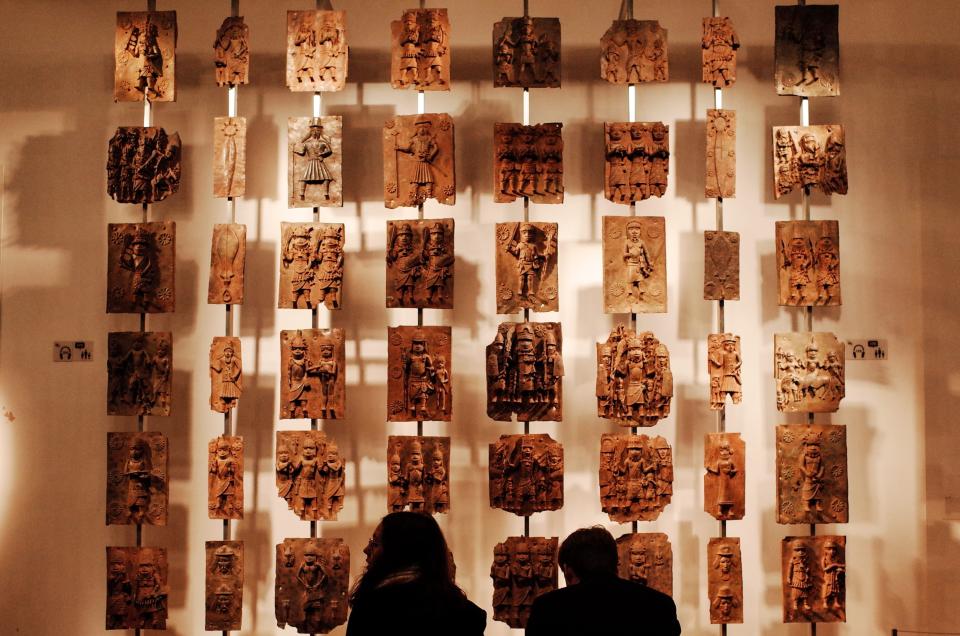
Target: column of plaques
[(809, 365), (524, 364), (724, 453), (143, 168), (312, 573), (224, 565), (634, 383)]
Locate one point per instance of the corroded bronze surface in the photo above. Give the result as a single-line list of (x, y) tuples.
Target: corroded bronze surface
[(808, 371), (420, 370), (418, 160), (420, 50), (719, 43), (526, 266), (225, 477), (814, 579), (523, 569), (226, 373), (420, 263), (528, 163), (418, 474), (634, 52), (724, 482), (139, 369), (224, 585), (634, 380), (144, 49), (808, 263), (526, 52), (312, 581), (807, 51), (637, 161), (232, 52), (315, 168), (721, 154), (140, 267), (136, 588), (143, 164), (812, 474), (647, 558), (634, 264), (312, 372), (721, 265), (228, 258), (525, 372), (723, 365), (526, 474), (317, 50), (138, 485), (725, 580), (311, 265), (805, 157), (310, 474), (636, 476), (229, 156)]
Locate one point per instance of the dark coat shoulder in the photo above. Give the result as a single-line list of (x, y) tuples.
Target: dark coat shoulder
[(408, 609)]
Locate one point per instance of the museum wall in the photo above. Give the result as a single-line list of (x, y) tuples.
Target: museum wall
[(898, 228)]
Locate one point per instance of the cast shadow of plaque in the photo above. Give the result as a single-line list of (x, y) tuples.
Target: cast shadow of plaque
[(466, 298), (263, 130), (259, 562), (362, 149), (695, 315), (690, 143), (258, 312)]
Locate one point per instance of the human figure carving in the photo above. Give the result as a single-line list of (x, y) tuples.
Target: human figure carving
[(314, 148), (799, 579), (223, 475), (227, 383)]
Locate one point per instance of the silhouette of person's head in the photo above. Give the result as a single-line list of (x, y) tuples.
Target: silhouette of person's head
[(588, 554), (407, 547)]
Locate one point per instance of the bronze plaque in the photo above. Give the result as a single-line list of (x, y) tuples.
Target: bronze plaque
[(812, 474), (232, 53), (421, 367), (139, 370), (526, 52), (809, 372), (725, 580), (418, 160), (229, 156), (634, 52), (526, 474), (647, 558), (136, 588), (724, 483), (528, 163), (525, 372), (420, 50), (721, 265), (805, 157), (225, 478), (144, 50), (143, 164), (808, 263), (634, 380), (317, 50), (637, 161), (311, 265), (807, 50), (721, 154), (310, 474), (636, 476), (224, 585), (420, 264), (719, 43), (140, 267), (526, 266), (723, 365), (226, 373), (228, 257), (315, 151), (523, 569), (138, 485), (312, 582), (814, 579), (312, 372), (418, 474), (634, 264)]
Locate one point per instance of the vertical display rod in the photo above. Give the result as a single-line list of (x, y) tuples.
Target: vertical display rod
[(315, 312)]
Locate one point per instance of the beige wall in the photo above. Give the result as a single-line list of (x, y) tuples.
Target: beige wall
[(898, 227)]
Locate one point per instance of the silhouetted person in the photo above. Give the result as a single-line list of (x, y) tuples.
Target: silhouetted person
[(408, 587), (596, 600)]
